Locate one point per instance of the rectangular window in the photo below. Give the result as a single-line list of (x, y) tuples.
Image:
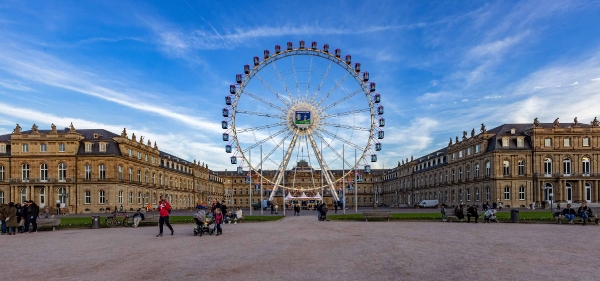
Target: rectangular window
[(88, 147), (520, 142), (130, 174), (102, 169), (43, 147), (476, 148), (88, 197), (460, 154), (130, 197), (522, 193), (1, 173), (506, 168), (468, 151), (25, 148), (146, 157), (152, 158), (120, 172), (139, 198), (139, 155), (129, 152), (121, 197), (102, 147), (505, 142), (101, 197), (507, 193), (521, 168), (88, 172), (567, 142), (586, 142), (548, 142), (61, 147), (2, 148), (453, 155)]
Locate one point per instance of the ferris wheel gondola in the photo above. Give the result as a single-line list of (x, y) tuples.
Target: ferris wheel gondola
[(305, 103)]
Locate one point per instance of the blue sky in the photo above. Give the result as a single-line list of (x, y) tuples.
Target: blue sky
[(162, 68)]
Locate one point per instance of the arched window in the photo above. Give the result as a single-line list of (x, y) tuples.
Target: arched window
[(153, 178), (567, 166), (460, 174), (42, 197), (548, 190), (25, 172), (477, 170), (44, 172), (120, 173), (62, 172), (585, 166), (521, 165), (453, 176), (468, 172), (62, 195), (160, 179), (569, 192), (488, 169), (139, 176), (146, 178), (101, 197), (547, 167)]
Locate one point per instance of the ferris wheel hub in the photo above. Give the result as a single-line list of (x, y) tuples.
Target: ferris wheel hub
[(302, 116)]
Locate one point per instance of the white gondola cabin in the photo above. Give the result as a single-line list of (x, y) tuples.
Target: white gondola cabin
[(313, 45), (372, 87), (225, 137), (238, 78), (367, 169), (225, 112), (224, 124), (267, 54), (357, 67), (232, 89), (378, 146), (338, 53), (228, 148), (380, 110), (256, 61), (326, 48), (380, 135), (228, 100), (365, 76), (302, 46), (377, 98), (290, 46), (277, 49), (246, 68), (374, 158), (381, 122), (348, 59), (233, 160)]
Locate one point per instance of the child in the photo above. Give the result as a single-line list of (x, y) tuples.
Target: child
[(218, 221), (46, 212)]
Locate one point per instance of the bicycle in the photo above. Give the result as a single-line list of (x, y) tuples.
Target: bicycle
[(113, 220)]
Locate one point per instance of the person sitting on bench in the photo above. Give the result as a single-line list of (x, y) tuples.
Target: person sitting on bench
[(569, 213), (584, 212), (458, 212), (472, 212)]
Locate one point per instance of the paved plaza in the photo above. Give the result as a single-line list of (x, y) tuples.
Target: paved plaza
[(301, 248)]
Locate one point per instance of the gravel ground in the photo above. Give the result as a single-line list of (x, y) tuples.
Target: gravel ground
[(301, 248)]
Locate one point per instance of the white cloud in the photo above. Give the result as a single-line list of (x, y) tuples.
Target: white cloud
[(596, 79), (497, 47)]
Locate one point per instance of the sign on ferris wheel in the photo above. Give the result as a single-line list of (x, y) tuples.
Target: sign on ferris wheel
[(303, 104)]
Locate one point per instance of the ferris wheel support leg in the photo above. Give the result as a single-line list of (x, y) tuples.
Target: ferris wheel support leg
[(324, 170), (283, 165)]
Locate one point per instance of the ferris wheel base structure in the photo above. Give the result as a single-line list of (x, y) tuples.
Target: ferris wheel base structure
[(314, 101)]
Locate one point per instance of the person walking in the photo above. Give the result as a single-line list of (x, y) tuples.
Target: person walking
[(3, 210), (218, 221), (443, 212), (296, 209), (11, 219), (224, 211), (164, 209), (215, 205), (276, 209), (33, 215), (335, 206)]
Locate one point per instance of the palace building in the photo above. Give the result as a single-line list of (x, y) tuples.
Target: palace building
[(94, 170), (515, 164)]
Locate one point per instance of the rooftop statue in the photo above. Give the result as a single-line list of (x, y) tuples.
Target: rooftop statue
[(53, 128), (536, 123), (17, 129), (556, 123), (124, 133)]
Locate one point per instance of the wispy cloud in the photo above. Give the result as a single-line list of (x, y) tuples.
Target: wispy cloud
[(13, 85)]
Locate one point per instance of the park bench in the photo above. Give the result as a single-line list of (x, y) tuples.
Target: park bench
[(560, 217), (149, 219), (53, 222), (377, 214)]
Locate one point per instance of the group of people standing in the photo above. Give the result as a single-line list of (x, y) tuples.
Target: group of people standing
[(17, 218)]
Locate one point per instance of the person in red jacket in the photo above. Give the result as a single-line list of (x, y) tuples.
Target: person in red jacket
[(164, 208)]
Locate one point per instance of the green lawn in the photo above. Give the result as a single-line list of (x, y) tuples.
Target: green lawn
[(75, 222), (502, 216)]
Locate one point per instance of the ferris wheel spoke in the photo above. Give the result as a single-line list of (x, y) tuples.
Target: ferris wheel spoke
[(322, 163), (309, 76), (265, 139), (282, 82), (334, 88), (343, 99), (272, 91), (283, 165), (260, 127), (346, 126), (261, 114), (296, 77), (274, 149), (332, 149), (263, 101), (347, 112), (326, 132), (322, 80)]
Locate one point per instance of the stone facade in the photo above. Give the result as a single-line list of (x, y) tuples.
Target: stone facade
[(94, 170), (515, 164)]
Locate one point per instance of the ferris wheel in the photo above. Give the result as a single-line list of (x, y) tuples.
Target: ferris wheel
[(302, 105)]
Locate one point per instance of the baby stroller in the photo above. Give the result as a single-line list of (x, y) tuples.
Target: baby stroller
[(323, 212), (203, 223), (490, 215)]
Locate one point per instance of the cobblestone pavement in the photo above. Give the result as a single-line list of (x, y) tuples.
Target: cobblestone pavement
[(302, 248)]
